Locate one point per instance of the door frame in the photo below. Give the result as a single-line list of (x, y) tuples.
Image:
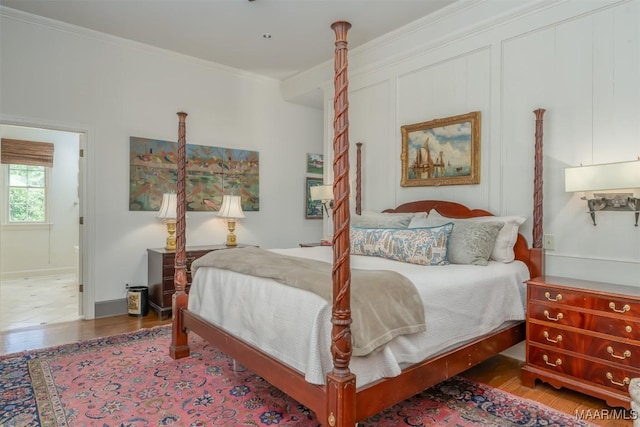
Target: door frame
[(85, 207)]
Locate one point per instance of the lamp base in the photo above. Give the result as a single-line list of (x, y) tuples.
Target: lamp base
[(231, 237), (171, 243), (171, 240), (231, 240)]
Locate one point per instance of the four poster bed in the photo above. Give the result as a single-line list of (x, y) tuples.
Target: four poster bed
[(318, 368)]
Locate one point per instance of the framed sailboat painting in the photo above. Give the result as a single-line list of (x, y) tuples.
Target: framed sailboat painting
[(441, 151)]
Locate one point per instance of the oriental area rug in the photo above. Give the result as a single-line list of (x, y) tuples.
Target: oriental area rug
[(129, 380)]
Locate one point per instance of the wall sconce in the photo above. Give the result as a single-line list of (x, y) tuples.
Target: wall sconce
[(231, 211), (168, 214), (324, 193), (603, 177)]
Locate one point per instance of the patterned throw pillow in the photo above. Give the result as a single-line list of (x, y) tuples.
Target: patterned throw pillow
[(470, 242), (424, 246)]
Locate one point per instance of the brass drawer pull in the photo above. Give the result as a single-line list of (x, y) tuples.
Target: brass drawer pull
[(628, 329), (548, 296), (555, 341), (546, 360), (555, 319), (624, 382), (625, 308), (626, 354)]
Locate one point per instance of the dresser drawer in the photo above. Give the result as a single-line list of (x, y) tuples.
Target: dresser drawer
[(555, 337), (609, 376), (622, 353), (610, 351), (625, 307), (616, 326), (559, 296), (168, 282)]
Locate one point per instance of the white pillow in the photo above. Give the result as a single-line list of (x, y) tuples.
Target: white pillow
[(373, 219), (503, 247)]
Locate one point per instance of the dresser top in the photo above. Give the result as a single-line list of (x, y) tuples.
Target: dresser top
[(597, 287)]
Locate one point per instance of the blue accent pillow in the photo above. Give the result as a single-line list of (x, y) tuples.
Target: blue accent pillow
[(423, 246)]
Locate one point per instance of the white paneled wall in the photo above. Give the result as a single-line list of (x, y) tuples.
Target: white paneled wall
[(578, 60)]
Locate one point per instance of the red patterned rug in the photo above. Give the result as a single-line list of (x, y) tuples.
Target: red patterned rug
[(129, 381)]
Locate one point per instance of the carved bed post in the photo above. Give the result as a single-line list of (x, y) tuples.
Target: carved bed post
[(341, 382), (179, 338), (537, 247), (358, 178)]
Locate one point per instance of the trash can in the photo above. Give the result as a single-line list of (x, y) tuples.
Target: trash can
[(137, 301)]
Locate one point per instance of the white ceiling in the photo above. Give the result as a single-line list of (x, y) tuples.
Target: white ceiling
[(229, 32)]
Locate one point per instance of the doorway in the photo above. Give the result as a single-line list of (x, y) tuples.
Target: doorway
[(41, 263)]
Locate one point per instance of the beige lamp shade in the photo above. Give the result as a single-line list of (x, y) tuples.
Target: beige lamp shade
[(169, 208), (605, 176), (231, 207), (322, 192)]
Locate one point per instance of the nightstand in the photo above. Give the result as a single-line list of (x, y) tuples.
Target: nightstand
[(161, 266), (583, 335)]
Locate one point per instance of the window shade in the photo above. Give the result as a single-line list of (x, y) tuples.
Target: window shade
[(33, 153)]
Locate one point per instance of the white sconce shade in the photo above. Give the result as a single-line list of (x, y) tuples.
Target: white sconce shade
[(603, 177), (231, 207), (606, 176), (322, 192)]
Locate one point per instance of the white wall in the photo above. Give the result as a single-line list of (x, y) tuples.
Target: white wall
[(56, 75), (579, 60), (29, 250)]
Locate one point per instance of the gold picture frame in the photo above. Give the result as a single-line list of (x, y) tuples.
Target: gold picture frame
[(441, 151)]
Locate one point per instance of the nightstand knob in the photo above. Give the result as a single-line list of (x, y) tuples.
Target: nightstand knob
[(555, 319), (548, 296), (555, 341), (625, 308), (626, 354), (628, 328), (624, 382), (546, 360)]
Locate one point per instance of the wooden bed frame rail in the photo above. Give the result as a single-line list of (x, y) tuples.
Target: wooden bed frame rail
[(338, 403)]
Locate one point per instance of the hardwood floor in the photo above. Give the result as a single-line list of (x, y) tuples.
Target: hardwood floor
[(501, 372)]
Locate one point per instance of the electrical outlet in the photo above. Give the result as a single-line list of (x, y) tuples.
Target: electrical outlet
[(126, 286), (549, 242)]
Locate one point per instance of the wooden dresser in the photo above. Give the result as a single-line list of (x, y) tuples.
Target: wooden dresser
[(161, 264), (583, 335)]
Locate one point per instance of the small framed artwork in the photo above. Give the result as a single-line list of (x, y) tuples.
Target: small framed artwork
[(313, 208), (441, 151), (315, 165)]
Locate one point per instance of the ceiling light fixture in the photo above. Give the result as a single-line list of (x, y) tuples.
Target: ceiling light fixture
[(266, 36)]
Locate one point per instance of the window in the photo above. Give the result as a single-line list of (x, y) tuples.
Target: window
[(28, 165), (27, 193)]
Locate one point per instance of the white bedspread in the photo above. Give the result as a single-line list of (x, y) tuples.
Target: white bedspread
[(294, 325)]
